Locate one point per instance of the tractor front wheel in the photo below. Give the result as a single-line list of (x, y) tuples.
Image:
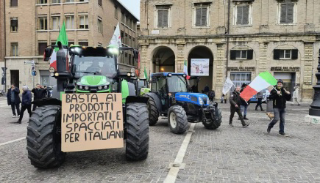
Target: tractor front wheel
[(153, 112), (214, 123), (44, 138), (137, 126), (178, 119)]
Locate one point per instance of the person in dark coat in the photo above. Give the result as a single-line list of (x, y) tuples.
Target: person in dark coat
[(259, 97), (244, 104), (13, 100), (38, 93), (235, 102), (279, 95), (26, 102)]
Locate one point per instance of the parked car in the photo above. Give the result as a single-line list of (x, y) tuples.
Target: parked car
[(266, 94)]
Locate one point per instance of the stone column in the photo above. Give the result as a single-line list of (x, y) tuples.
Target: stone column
[(144, 61), (307, 60), (219, 69), (263, 58), (180, 56)]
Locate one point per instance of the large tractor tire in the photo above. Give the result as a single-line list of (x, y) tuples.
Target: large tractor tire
[(153, 112), (214, 123), (137, 126), (178, 121), (44, 137)]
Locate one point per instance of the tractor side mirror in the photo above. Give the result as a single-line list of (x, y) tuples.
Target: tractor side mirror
[(47, 54)]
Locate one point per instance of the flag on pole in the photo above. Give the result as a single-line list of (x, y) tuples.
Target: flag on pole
[(145, 73), (185, 69), (116, 38), (63, 38), (227, 86), (262, 81)]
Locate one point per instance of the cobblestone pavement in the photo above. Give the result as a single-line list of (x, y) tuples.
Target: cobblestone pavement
[(225, 155)]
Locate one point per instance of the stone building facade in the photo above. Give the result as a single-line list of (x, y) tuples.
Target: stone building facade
[(2, 48), (241, 38), (33, 25)]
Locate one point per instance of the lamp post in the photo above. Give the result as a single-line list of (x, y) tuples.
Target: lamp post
[(315, 106)]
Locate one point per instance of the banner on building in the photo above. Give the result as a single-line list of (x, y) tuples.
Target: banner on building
[(200, 67)]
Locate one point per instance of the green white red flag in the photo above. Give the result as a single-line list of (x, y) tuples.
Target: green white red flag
[(261, 82), (185, 69), (63, 38)]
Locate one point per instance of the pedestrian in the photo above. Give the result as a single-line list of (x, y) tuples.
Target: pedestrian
[(38, 93), (26, 102), (244, 104), (13, 100), (295, 95), (211, 95), (206, 89), (279, 95), (223, 99), (235, 102), (259, 97)]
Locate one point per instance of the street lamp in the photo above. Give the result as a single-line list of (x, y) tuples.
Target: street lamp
[(315, 106)]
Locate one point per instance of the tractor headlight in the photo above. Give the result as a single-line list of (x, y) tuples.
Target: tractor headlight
[(86, 87), (100, 87), (129, 74), (200, 101)]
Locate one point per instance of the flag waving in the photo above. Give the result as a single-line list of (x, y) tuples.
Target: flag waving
[(227, 86), (145, 73), (262, 81), (185, 69), (116, 38), (63, 38)]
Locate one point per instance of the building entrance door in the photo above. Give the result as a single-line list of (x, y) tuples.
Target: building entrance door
[(14, 74)]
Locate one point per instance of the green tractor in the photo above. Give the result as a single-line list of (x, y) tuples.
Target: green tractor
[(90, 70)]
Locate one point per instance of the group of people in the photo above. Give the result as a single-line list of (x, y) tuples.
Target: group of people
[(278, 95), (14, 100)]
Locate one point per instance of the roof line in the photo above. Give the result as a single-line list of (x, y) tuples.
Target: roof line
[(127, 9)]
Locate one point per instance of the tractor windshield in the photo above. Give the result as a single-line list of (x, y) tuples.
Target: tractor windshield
[(177, 84), (105, 66)]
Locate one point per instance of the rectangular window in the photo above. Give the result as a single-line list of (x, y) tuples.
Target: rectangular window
[(83, 0), (84, 23), (41, 47), (14, 24), (14, 49), (42, 23), (69, 1), (240, 78), (243, 15), (14, 3), (83, 43), (285, 54), (56, 1), (163, 16), (55, 22), (241, 54), (286, 13), (70, 22), (100, 25), (100, 2), (201, 15), (42, 1)]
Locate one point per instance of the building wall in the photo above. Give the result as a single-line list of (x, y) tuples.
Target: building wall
[(263, 36)]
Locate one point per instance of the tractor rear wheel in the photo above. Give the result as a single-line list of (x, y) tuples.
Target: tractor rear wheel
[(137, 126), (178, 119), (44, 137), (214, 123), (153, 112)]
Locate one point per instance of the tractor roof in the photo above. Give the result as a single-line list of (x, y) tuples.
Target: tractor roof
[(165, 74)]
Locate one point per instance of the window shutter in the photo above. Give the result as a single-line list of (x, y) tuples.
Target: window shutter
[(249, 54), (276, 54), (198, 17), (203, 16), (165, 18), (290, 11), (283, 14), (295, 54), (160, 18), (233, 54), (245, 15), (239, 15)]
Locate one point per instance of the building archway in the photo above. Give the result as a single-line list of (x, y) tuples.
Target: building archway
[(163, 59), (199, 66)]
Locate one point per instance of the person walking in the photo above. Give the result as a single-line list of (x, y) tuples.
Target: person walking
[(39, 93), (279, 95), (295, 95), (235, 101), (259, 97), (13, 100), (26, 102), (244, 105)]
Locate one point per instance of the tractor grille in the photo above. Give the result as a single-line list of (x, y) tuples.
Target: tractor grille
[(194, 99)]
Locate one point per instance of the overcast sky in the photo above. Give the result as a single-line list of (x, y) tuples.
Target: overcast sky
[(133, 6)]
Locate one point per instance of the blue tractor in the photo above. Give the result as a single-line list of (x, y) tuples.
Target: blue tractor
[(170, 97)]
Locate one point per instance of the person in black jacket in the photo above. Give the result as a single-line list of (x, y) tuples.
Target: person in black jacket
[(26, 102), (244, 104), (39, 93), (279, 95), (235, 102), (13, 99)]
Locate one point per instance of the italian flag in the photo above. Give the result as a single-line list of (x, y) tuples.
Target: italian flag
[(185, 69), (145, 73), (261, 82), (63, 38)]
